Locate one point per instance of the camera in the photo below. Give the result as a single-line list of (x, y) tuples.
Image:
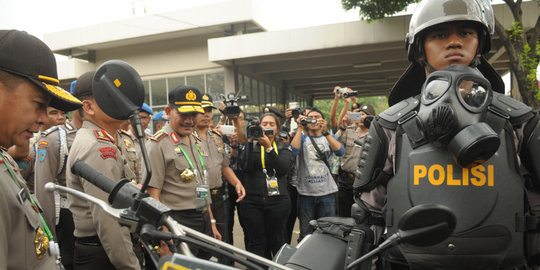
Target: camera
[(305, 121), (350, 94), (355, 116), (268, 131), (254, 130), (296, 112), (283, 134), (342, 90), (231, 104)]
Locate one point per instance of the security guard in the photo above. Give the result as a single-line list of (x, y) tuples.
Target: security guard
[(51, 167), (215, 156), (458, 141), (351, 136), (28, 83), (101, 243), (179, 179)]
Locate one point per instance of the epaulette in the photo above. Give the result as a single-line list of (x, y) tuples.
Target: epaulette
[(389, 117), (196, 136), (69, 127), (102, 135), (214, 132), (518, 112), (50, 130), (158, 136)]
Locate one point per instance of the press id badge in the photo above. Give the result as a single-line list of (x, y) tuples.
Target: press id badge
[(272, 185), (202, 192)]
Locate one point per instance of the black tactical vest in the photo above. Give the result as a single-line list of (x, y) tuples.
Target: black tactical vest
[(488, 201)]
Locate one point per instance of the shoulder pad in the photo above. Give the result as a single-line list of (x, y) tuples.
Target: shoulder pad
[(102, 135), (518, 111), (125, 132), (50, 130), (390, 116), (158, 136), (196, 136), (215, 133), (69, 127)]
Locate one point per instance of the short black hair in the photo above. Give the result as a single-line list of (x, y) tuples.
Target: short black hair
[(315, 109)]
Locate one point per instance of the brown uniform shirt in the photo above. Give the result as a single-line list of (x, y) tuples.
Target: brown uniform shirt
[(98, 149), (130, 151), (19, 223), (349, 161), (214, 156), (168, 163), (48, 164)]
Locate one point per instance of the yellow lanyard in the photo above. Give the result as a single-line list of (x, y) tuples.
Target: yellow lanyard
[(262, 154)]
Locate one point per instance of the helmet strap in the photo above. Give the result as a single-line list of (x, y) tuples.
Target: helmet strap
[(424, 64)]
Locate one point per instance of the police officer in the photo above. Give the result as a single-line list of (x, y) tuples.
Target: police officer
[(50, 166), (179, 179), (159, 120), (351, 135), (454, 139), (101, 243), (28, 83), (217, 163)]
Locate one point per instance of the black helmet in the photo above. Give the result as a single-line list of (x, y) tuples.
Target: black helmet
[(433, 12)]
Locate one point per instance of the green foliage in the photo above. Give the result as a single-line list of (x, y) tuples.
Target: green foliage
[(377, 9), (515, 32), (530, 64)]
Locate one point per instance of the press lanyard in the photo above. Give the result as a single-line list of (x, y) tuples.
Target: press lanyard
[(47, 231), (189, 160), (262, 154)]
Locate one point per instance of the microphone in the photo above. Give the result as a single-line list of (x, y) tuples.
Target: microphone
[(121, 193)]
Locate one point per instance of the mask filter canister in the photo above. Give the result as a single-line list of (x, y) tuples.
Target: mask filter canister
[(474, 145)]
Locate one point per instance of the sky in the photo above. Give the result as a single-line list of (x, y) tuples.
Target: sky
[(38, 16)]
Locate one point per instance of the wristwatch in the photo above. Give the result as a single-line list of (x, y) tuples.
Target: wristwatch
[(268, 150), (326, 134)]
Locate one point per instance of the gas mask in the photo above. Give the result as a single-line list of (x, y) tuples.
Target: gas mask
[(452, 112)]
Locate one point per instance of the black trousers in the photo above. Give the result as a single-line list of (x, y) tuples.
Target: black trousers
[(90, 255), (345, 195), (264, 220), (293, 196), (66, 240), (198, 221)]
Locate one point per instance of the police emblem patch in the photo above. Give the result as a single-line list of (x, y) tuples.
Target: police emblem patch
[(107, 152), (191, 95), (41, 154)]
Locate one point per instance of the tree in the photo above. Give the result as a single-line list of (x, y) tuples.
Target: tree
[(523, 48)]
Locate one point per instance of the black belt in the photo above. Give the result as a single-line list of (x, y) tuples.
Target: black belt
[(89, 241), (191, 211)]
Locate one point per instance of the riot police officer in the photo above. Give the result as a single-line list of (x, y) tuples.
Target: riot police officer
[(451, 137)]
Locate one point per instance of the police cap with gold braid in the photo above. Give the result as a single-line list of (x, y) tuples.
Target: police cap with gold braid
[(186, 99), (207, 101)]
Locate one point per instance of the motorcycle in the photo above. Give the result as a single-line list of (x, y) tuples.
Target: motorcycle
[(337, 243)]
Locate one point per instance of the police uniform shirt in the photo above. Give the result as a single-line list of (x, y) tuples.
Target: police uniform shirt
[(214, 156), (130, 151), (168, 162), (349, 161), (20, 223), (98, 149), (51, 157)]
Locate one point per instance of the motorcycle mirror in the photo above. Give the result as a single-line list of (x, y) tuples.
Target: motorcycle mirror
[(422, 225), (118, 89)]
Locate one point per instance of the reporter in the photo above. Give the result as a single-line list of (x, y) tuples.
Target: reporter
[(265, 209)]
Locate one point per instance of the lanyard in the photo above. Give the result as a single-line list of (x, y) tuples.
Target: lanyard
[(189, 160), (47, 231), (262, 154)]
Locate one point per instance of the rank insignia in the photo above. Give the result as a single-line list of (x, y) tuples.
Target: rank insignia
[(41, 154), (159, 135), (41, 243), (101, 135), (42, 145), (107, 152)]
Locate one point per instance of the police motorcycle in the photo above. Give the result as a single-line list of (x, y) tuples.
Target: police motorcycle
[(338, 243)]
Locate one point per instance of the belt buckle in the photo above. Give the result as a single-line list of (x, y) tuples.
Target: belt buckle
[(214, 191)]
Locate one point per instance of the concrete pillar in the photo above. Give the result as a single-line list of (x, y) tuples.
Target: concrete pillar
[(231, 79)]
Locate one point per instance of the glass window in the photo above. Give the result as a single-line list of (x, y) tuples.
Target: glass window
[(197, 81), (254, 91), (159, 92), (176, 81), (215, 84)]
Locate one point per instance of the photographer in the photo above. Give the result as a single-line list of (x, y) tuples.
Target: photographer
[(351, 134), (265, 209), (315, 184)]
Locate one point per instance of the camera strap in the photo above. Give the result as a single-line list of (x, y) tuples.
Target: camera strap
[(320, 154), (263, 163)]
